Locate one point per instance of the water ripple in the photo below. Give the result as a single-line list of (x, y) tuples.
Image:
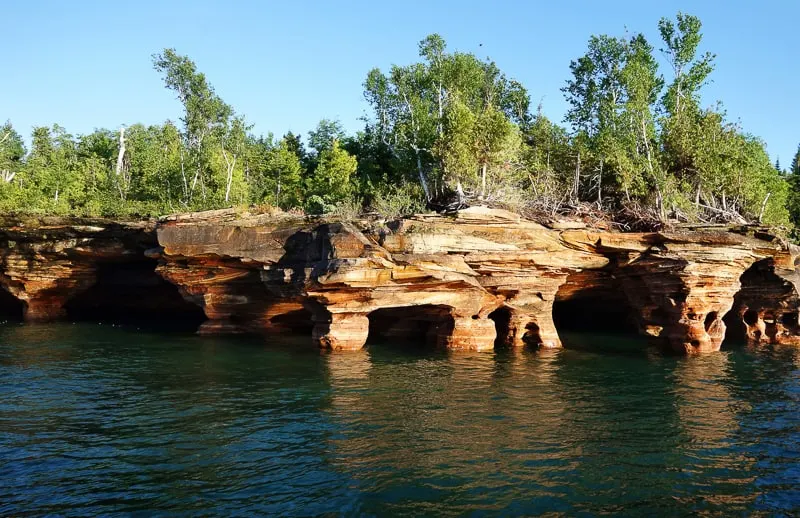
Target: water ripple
[(100, 420)]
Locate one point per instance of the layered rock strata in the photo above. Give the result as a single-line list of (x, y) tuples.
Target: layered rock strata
[(46, 262), (469, 281)]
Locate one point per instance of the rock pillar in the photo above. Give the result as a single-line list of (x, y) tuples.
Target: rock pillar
[(341, 331), (537, 330), (466, 334)]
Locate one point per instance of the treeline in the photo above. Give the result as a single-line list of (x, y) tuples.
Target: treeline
[(449, 130)]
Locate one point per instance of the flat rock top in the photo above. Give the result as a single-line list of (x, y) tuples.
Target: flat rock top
[(466, 230)]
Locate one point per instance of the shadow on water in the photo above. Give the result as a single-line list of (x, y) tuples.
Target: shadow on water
[(610, 343)]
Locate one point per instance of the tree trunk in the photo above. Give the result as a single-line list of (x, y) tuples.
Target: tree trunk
[(185, 181), (459, 192), (483, 181), (600, 186), (422, 178), (763, 206), (576, 182), (230, 163), (121, 154)]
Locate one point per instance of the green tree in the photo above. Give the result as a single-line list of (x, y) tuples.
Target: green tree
[(425, 114), (331, 182), (690, 72), (324, 135), (12, 151), (208, 123), (793, 198), (276, 175), (612, 96)]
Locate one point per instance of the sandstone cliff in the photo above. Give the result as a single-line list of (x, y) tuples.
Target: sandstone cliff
[(468, 281)]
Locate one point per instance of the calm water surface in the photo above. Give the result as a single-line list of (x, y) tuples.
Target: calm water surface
[(102, 420)]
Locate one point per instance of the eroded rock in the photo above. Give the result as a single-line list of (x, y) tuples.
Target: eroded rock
[(470, 281)]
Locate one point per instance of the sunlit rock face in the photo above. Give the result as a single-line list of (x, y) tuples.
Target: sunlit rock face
[(474, 280), (471, 281)]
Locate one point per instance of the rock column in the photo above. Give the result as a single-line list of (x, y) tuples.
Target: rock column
[(466, 334), (341, 331)]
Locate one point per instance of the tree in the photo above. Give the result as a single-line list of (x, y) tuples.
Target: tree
[(324, 135), (681, 101), (276, 174), (295, 145), (612, 96), (205, 115), (330, 183), (50, 172), (232, 139), (793, 180), (425, 114), (12, 151), (689, 71), (153, 157)]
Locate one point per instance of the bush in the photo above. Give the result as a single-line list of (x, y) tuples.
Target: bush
[(397, 201)]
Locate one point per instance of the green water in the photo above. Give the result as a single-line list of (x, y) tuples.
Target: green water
[(101, 420)]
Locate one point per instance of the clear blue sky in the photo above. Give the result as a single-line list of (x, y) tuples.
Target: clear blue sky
[(284, 65)]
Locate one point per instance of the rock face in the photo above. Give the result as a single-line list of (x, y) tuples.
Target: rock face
[(46, 262), (85, 269), (470, 281)]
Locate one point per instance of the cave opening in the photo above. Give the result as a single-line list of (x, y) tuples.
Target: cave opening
[(297, 320), (502, 322), (502, 318), (409, 325), (595, 311), (11, 308), (132, 293)]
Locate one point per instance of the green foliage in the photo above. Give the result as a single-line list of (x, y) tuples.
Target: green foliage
[(325, 134), (450, 125), (331, 185), (395, 201)]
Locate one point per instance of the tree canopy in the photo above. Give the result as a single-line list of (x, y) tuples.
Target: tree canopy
[(448, 129)]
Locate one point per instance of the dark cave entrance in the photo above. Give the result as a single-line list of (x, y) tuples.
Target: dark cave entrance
[(412, 325), (11, 308), (295, 319), (594, 314), (132, 293), (593, 304), (502, 322)]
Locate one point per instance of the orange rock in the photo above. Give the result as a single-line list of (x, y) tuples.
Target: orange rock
[(464, 282)]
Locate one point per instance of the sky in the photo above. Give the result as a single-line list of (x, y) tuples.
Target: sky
[(285, 65)]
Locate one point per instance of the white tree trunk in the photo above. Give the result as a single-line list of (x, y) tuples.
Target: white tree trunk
[(230, 163), (422, 178), (121, 154)]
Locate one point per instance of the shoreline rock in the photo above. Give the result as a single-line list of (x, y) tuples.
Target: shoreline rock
[(466, 281)]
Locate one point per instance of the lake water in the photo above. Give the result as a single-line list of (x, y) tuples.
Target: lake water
[(99, 420)]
